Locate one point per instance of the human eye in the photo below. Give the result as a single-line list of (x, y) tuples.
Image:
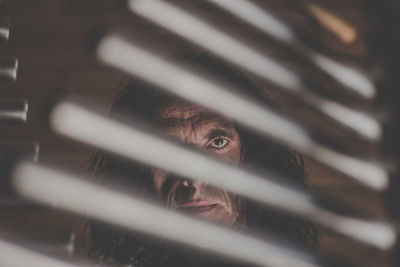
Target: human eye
[(219, 143)]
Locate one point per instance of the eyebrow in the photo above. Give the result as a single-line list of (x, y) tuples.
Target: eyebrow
[(219, 132), (177, 121)]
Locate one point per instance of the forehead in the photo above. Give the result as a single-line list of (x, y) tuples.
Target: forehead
[(182, 115)]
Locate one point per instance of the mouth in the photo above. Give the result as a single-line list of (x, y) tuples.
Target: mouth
[(197, 207)]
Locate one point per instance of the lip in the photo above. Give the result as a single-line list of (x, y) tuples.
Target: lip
[(199, 206)]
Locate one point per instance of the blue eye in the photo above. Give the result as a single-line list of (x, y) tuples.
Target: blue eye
[(219, 143)]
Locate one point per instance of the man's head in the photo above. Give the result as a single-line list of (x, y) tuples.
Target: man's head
[(215, 135), (207, 132)]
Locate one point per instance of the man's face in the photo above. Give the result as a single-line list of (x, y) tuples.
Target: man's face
[(206, 131)]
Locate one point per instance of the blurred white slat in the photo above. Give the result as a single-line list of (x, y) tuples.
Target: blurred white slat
[(91, 128), (125, 56), (64, 191), (240, 54)]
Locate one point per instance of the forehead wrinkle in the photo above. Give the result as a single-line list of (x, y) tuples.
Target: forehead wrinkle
[(177, 116), (215, 125)]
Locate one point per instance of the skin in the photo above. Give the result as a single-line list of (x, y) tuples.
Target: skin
[(205, 131)]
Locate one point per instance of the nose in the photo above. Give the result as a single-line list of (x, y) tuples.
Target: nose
[(194, 184), (188, 190), (186, 183)]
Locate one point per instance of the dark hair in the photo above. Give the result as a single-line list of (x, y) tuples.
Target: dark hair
[(140, 99)]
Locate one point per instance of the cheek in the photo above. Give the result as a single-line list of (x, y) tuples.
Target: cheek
[(233, 154), (159, 178), (234, 158), (233, 212), (232, 201)]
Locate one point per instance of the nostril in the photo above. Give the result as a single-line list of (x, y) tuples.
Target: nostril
[(184, 191), (188, 187)]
